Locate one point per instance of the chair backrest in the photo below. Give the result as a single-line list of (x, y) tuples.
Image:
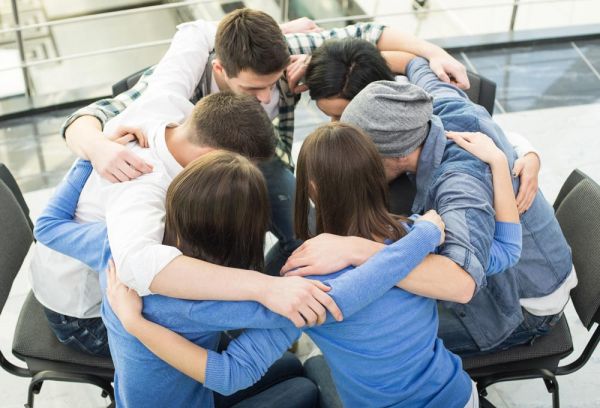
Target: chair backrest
[(574, 178), (15, 239), (11, 183), (127, 83), (579, 216), (482, 91)]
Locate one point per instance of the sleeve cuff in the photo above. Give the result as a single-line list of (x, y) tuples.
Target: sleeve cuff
[(215, 372), (508, 232), (468, 261)]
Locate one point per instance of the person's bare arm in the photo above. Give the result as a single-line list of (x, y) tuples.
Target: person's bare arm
[(445, 66), (300, 300), (397, 60), (484, 148), (436, 277)]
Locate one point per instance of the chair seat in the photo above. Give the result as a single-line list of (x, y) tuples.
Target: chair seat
[(546, 352), (36, 345)]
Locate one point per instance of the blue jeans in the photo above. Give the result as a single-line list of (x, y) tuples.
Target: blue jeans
[(284, 385), (85, 335), (281, 185), (459, 341)]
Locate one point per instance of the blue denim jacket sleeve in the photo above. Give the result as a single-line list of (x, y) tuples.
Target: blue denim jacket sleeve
[(419, 73), (465, 204)]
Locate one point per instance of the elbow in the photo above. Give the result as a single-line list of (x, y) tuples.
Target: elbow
[(467, 290), (514, 256), (41, 230)]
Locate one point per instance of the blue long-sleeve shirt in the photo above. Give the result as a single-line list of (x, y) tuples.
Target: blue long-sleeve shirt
[(375, 333)]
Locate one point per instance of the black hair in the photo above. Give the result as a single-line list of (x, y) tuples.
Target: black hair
[(343, 68)]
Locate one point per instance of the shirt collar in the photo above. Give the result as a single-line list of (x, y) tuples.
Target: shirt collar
[(159, 144), (429, 160)]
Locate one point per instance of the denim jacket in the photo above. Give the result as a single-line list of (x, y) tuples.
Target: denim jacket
[(459, 186)]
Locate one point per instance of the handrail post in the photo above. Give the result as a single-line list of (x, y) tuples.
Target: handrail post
[(285, 10), (19, 36), (513, 17)]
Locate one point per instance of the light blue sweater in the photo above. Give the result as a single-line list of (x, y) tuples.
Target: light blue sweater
[(384, 353)]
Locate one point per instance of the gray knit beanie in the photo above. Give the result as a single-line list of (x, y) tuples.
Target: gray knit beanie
[(395, 115)]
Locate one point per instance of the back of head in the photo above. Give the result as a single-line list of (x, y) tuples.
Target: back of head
[(340, 170), (217, 210), (342, 68), (395, 115), (250, 40), (237, 123)]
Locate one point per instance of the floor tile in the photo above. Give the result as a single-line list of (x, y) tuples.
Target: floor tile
[(538, 77), (591, 51)]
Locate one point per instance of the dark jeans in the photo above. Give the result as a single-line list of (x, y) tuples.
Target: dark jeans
[(457, 339), (281, 185), (86, 335), (284, 385)]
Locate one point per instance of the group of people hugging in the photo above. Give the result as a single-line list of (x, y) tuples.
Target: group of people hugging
[(152, 249)]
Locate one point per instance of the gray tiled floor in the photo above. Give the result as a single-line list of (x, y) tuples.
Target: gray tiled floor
[(541, 76)]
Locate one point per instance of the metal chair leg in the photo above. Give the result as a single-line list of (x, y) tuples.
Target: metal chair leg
[(552, 387)]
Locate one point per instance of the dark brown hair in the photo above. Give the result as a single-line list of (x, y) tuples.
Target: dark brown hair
[(217, 210), (340, 169), (250, 39), (343, 67), (237, 123)]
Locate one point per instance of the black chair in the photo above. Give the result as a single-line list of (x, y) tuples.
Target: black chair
[(8, 179), (482, 91), (578, 212), (128, 82), (34, 343)]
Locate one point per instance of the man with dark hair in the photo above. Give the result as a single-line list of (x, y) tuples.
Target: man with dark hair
[(247, 53), (134, 211), (407, 123), (340, 69)]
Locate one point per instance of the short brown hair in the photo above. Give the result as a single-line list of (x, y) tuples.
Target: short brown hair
[(340, 165), (251, 39), (217, 210), (237, 123)]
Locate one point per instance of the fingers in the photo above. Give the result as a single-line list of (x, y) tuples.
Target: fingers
[(120, 175), (300, 88), (123, 140), (303, 271), (108, 176), (462, 79), (139, 164), (319, 310), (129, 170), (297, 319), (133, 131), (526, 195), (327, 301), (310, 317), (518, 169), (441, 74)]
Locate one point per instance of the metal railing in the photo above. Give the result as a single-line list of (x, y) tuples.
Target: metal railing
[(284, 5)]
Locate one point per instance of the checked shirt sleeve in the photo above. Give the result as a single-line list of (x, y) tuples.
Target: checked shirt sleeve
[(106, 109), (306, 43)]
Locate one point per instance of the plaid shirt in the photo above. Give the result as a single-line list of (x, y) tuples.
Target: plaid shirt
[(105, 109)]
